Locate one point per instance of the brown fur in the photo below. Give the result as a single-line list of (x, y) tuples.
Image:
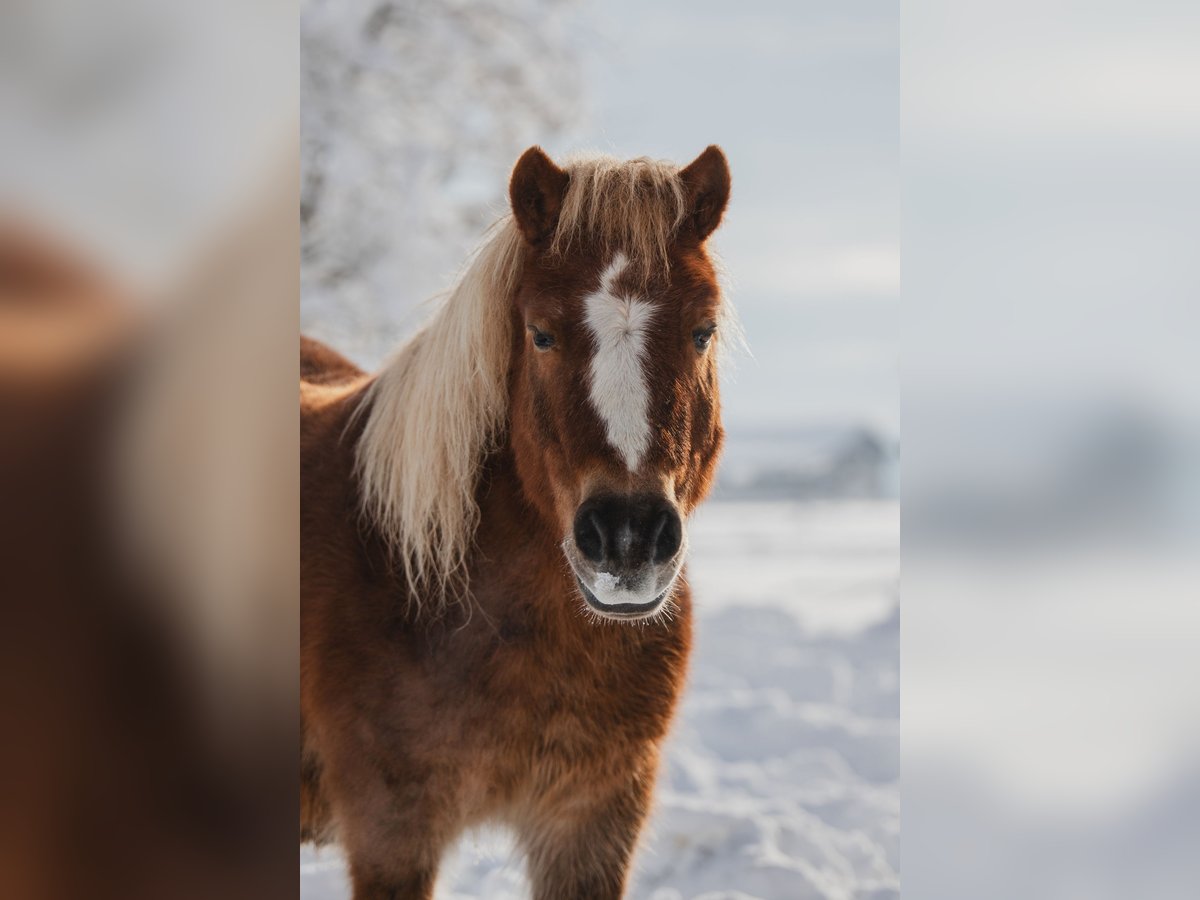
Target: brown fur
[(321, 365), (517, 707)]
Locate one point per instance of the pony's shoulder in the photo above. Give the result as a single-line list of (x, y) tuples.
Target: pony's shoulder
[(321, 364), (332, 390)]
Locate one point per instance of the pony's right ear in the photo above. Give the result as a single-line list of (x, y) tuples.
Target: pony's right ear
[(536, 190), (706, 181)]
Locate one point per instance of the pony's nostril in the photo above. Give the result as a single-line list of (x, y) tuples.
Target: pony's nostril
[(601, 535), (656, 530), (666, 536), (626, 533), (590, 537)]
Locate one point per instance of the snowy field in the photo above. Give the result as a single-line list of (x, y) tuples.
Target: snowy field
[(781, 779)]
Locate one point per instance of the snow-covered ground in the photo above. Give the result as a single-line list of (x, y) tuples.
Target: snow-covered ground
[(781, 779)]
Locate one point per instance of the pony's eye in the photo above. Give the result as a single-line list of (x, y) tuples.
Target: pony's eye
[(701, 336), (541, 340)]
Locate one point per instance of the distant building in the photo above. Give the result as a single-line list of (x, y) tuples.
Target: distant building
[(807, 464)]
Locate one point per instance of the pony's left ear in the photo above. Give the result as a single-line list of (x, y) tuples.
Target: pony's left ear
[(706, 181), (536, 190)]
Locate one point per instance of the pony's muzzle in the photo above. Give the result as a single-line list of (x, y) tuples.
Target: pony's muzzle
[(627, 551), (624, 533)]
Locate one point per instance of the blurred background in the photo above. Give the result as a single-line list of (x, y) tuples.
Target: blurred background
[(781, 780), (1051, 425)]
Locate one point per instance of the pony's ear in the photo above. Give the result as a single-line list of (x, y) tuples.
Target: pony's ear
[(537, 189), (706, 181)]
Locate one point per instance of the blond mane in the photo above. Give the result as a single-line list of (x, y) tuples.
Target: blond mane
[(436, 409)]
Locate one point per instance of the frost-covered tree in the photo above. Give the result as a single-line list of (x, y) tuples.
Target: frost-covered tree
[(413, 112)]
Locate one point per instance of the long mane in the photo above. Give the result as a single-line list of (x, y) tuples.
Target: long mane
[(436, 409)]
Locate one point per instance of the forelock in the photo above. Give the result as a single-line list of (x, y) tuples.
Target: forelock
[(630, 206)]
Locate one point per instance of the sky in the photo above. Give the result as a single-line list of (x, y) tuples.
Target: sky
[(804, 99)]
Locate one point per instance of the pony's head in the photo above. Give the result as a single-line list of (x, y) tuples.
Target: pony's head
[(585, 332), (613, 401)]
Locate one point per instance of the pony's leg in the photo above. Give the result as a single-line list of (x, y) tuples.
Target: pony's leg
[(586, 857), (394, 831), (394, 867), (392, 886)]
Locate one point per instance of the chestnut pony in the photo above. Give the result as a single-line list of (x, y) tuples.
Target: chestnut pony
[(495, 619)]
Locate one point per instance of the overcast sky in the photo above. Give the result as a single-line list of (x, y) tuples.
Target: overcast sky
[(804, 98)]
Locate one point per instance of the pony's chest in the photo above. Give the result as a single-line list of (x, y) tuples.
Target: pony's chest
[(526, 677)]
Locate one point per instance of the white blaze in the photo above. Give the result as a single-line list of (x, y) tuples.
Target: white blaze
[(619, 393)]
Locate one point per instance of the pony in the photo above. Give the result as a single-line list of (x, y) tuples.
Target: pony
[(495, 617)]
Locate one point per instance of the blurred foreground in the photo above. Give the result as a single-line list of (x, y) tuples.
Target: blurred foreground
[(148, 467), (149, 560)]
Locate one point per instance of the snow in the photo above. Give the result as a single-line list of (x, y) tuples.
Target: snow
[(781, 776)]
